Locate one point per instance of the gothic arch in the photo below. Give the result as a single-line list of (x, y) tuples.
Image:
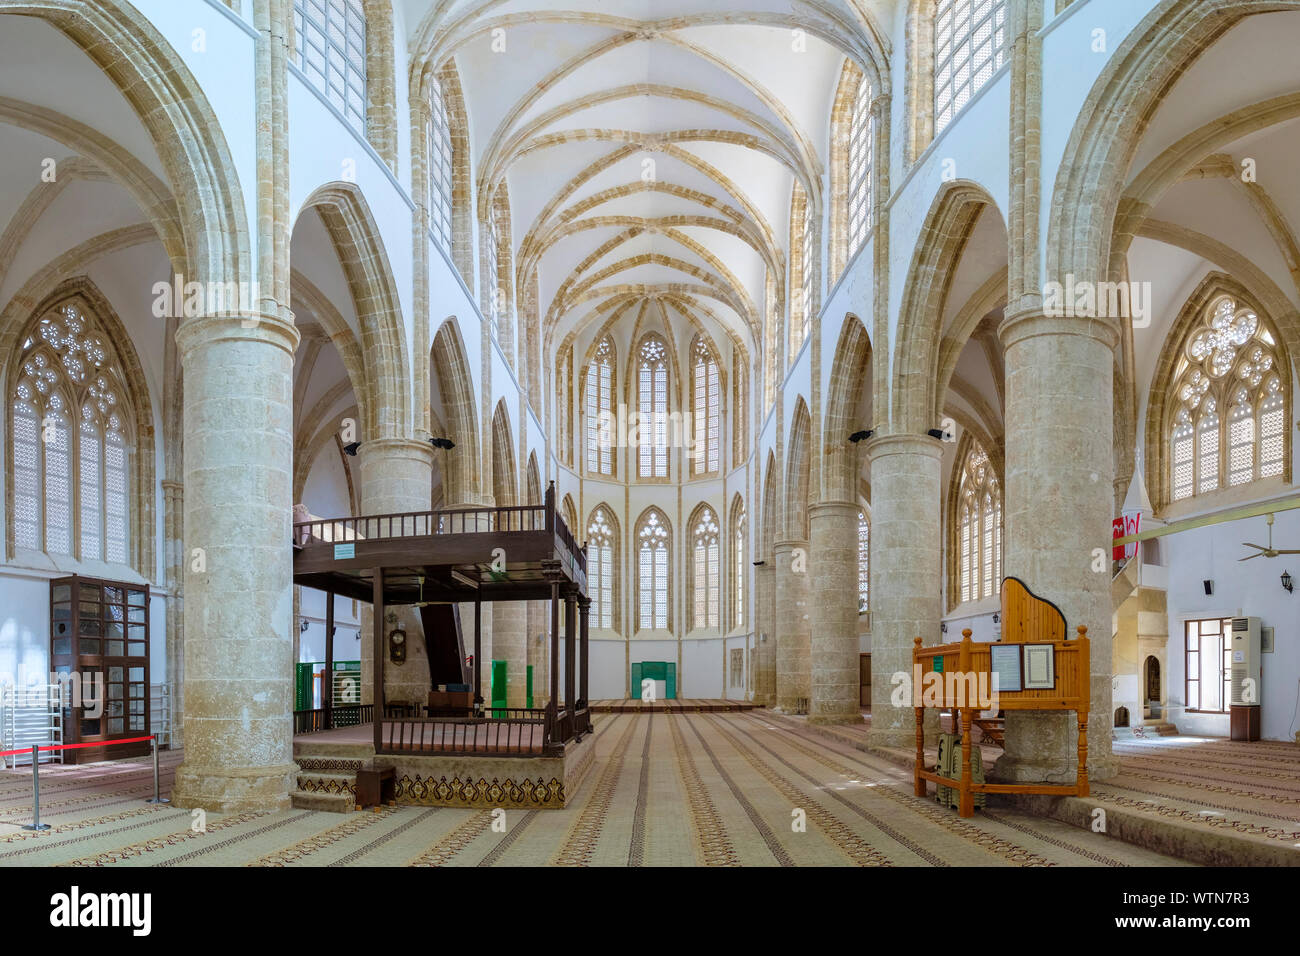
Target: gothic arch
[(352, 230), (504, 473), (767, 538), (456, 388), (797, 472), (847, 382)]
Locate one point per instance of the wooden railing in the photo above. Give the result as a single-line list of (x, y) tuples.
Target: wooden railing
[(516, 732), (347, 715)]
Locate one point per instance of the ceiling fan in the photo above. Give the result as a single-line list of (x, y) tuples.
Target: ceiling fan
[(1270, 551)]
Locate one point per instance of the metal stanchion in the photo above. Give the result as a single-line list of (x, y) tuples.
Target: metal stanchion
[(156, 798), (36, 823)]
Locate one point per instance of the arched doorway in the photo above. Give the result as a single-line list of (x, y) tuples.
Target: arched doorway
[(1151, 687)]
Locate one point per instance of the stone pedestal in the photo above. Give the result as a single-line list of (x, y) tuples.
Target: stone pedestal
[(833, 529), (238, 478), (1057, 514), (793, 627), (905, 573), (765, 625), (396, 477)]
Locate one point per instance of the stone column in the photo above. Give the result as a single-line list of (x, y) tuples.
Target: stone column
[(792, 626), (174, 568), (905, 572), (833, 529), (509, 644), (238, 473), (538, 647), (396, 477), (765, 625), (1057, 512)]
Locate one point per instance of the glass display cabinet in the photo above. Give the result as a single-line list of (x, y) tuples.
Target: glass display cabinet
[(99, 638)]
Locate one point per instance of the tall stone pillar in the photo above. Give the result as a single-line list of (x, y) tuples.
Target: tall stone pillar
[(765, 624), (396, 477), (238, 426), (905, 572), (176, 559), (509, 644), (833, 530), (1058, 499), (793, 688), (538, 650)]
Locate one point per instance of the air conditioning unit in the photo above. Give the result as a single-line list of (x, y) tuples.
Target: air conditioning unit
[(1245, 661)]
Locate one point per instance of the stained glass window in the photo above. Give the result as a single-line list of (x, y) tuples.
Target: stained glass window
[(979, 527)]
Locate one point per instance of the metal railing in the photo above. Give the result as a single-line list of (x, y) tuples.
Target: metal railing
[(510, 731)]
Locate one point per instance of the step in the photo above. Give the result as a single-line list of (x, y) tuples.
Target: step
[(328, 802)]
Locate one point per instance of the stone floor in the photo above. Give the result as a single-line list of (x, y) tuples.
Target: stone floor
[(713, 789)]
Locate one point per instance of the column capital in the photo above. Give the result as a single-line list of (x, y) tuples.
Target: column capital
[(789, 545), (1028, 323), (904, 444), (413, 448), (832, 508), (204, 330)]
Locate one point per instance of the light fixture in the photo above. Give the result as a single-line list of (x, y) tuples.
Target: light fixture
[(302, 626), (996, 617), (943, 627), (444, 443), (862, 435), (350, 448), (759, 564), (1287, 582), (940, 434)]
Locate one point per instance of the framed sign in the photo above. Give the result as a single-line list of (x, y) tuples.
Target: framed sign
[(1006, 667), (343, 552), (1040, 666)]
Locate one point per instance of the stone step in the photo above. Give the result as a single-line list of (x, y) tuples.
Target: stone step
[(328, 802), (316, 782)]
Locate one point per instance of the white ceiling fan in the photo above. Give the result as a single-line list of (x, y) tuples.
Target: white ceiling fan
[(1270, 551)]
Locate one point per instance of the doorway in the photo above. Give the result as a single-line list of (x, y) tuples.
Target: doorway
[(1151, 707)]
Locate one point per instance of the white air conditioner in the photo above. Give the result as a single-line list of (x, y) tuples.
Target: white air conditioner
[(1245, 661)]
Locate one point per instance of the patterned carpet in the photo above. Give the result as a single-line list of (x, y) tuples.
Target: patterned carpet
[(1250, 791), (666, 790)]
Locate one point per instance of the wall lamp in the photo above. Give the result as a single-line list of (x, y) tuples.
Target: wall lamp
[(759, 564), (940, 434), (351, 447), (862, 435), (1287, 582), (444, 443)]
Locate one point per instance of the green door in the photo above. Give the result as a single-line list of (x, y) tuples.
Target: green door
[(499, 688), (528, 702), (670, 679), (636, 682), (655, 670)]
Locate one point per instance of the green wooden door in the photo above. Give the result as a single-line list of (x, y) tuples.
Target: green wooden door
[(635, 688), (670, 679), (499, 687)]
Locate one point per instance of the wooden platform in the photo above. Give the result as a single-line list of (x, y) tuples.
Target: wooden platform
[(688, 706)]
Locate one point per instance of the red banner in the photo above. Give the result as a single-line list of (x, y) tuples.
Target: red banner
[(1121, 527)]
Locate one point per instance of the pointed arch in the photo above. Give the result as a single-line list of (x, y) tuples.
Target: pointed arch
[(653, 547), (767, 537), (798, 463), (456, 389), (704, 550), (534, 487), (947, 228), (571, 515), (974, 524), (603, 550), (504, 473), (738, 567), (123, 373), (849, 373), (360, 249), (707, 388), (599, 385)]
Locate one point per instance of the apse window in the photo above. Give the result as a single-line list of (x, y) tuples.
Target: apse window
[(1209, 665), (969, 47), (330, 49)]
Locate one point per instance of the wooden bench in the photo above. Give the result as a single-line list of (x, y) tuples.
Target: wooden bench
[(376, 787)]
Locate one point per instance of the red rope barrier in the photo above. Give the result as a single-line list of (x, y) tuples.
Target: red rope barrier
[(103, 743)]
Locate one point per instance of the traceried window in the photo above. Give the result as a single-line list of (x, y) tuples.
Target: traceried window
[(652, 406), (652, 539), (861, 143), (706, 389), (864, 562), (600, 396), (440, 166), (601, 546), (71, 442), (979, 510), (969, 47), (1229, 411), (803, 313), (740, 547), (706, 568), (564, 405), (330, 48)]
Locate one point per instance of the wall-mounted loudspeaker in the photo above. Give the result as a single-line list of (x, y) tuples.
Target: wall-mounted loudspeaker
[(1209, 586)]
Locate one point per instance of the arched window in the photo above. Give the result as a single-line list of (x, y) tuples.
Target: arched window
[(864, 562), (441, 181), (740, 546), (969, 47), (600, 397), (706, 569), (802, 250), (652, 406), (564, 405), (496, 296), (601, 548), (979, 505), (330, 49), (862, 133), (653, 540), (71, 485), (1228, 424), (706, 391)]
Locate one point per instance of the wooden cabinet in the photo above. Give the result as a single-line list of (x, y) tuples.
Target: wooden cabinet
[(1244, 721), (99, 651)]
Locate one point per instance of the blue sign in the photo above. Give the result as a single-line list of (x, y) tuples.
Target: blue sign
[(342, 551)]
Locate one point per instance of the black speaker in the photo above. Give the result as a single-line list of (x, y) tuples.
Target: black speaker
[(1209, 586)]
